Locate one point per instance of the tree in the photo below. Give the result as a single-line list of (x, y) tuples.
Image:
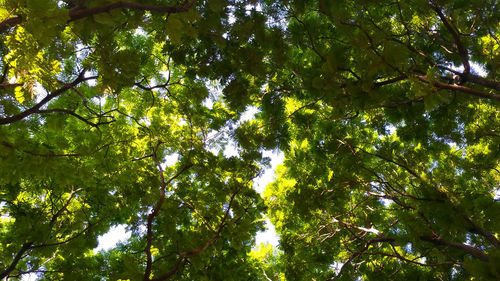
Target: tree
[(399, 163), (92, 106), (118, 112)]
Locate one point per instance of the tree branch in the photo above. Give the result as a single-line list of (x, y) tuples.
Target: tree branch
[(8, 85), (6, 144), (154, 213), (466, 248), (483, 232), (183, 256), (72, 113), (10, 22), (49, 97), (459, 88), (79, 13), (26, 246), (462, 52)]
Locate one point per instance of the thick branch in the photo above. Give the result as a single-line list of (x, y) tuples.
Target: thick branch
[(79, 13), (475, 79), (459, 88), (10, 22), (466, 248), (15, 261), (485, 233)]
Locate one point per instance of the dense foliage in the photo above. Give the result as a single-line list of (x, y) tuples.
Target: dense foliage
[(122, 112)]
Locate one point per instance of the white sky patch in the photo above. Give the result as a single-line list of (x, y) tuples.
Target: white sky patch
[(268, 236), (479, 69), (112, 237), (496, 196), (475, 67), (29, 277), (268, 176), (231, 19), (39, 91), (140, 32), (170, 160), (250, 7), (336, 266), (391, 129), (208, 103), (231, 150), (91, 82), (248, 114), (386, 202)]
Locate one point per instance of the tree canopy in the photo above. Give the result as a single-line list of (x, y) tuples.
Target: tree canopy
[(122, 113)]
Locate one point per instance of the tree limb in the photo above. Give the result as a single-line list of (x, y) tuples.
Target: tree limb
[(26, 246), (459, 88), (462, 52), (49, 97), (154, 213), (7, 85), (80, 12), (10, 22), (466, 248)]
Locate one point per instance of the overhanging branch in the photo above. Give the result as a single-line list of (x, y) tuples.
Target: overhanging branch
[(79, 12), (49, 97), (458, 88)]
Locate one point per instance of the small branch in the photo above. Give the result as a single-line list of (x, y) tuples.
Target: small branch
[(6, 144), (460, 47), (49, 97), (205, 222), (8, 85), (390, 81), (154, 213), (72, 113), (78, 234), (63, 208), (405, 167)]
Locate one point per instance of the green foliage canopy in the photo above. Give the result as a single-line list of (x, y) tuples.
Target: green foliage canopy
[(387, 113)]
